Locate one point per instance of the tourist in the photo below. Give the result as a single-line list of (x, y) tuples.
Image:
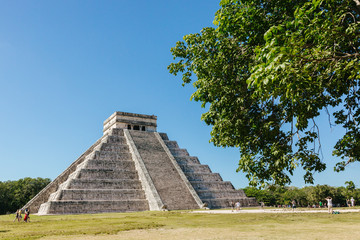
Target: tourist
[(352, 202), (26, 217), (17, 215), (20, 217), (237, 205), (232, 205), (329, 204), (293, 203)]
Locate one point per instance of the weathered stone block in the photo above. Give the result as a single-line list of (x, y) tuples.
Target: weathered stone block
[(207, 177), (107, 174), (214, 194), (104, 184), (77, 207), (116, 139), (117, 131), (184, 160), (102, 194), (113, 147), (201, 185), (171, 144), (110, 164), (177, 152), (106, 155), (195, 168)]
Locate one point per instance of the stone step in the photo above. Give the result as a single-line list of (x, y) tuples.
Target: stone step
[(107, 174), (108, 155), (102, 194), (164, 136), (226, 202), (171, 144), (110, 164), (207, 177), (184, 160), (195, 168), (104, 184), (115, 147), (117, 131), (81, 165), (211, 194), (116, 139), (179, 152), (202, 185), (77, 207)]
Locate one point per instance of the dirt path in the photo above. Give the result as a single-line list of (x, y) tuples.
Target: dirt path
[(280, 210)]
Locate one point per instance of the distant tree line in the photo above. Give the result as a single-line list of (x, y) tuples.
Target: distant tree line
[(15, 194), (306, 196)]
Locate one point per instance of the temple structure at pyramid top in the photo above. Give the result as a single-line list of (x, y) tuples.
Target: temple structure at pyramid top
[(130, 121), (132, 167)]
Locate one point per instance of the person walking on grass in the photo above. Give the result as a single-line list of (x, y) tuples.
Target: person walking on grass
[(238, 205), (20, 217), (17, 216), (232, 205), (329, 204), (293, 203), (27, 217)]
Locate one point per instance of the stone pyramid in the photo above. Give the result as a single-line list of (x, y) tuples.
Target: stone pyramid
[(132, 167)]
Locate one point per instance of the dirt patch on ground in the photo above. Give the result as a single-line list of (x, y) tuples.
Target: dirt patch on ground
[(279, 210), (166, 234), (213, 234)]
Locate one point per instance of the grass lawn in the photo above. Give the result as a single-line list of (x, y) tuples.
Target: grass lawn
[(184, 225)]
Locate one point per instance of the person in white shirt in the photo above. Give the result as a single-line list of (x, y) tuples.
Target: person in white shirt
[(237, 206), (329, 203), (352, 200)]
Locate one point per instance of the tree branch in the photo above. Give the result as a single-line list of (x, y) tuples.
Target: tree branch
[(357, 2)]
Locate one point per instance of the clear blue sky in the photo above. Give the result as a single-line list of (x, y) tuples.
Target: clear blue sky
[(65, 66)]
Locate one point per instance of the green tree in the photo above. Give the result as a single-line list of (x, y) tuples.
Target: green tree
[(350, 185), (15, 194), (315, 194), (267, 71), (261, 195), (349, 189), (293, 193)]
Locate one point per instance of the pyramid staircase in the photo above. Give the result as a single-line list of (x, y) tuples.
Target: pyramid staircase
[(210, 187), (134, 168)]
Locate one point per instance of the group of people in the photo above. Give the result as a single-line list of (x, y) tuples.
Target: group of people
[(235, 206), (350, 202), (18, 215)]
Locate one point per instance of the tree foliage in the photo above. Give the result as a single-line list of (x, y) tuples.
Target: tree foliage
[(15, 194), (306, 196), (267, 71)]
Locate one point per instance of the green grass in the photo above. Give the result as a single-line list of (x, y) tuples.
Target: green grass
[(203, 226)]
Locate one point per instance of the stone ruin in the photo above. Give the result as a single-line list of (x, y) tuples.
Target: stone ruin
[(132, 167)]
